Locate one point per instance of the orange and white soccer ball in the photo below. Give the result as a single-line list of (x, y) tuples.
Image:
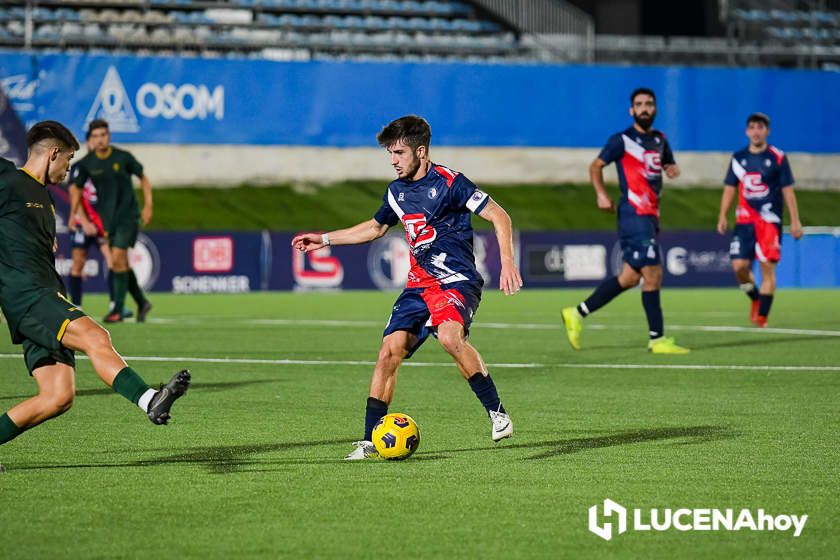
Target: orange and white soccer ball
[(396, 436)]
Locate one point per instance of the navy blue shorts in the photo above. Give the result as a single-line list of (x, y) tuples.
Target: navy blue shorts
[(420, 310), (639, 250)]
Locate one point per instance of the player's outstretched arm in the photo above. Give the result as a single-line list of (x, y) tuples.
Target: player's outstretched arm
[(360, 233), (790, 202), (596, 176), (725, 204), (510, 280)]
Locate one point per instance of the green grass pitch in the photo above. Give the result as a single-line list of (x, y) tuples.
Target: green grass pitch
[(251, 465)]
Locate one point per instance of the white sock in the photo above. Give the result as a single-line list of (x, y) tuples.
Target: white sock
[(145, 399)]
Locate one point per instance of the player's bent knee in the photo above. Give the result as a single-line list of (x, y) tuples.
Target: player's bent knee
[(390, 353), (452, 340), (58, 402)]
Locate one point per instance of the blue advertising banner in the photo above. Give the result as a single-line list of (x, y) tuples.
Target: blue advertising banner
[(12, 132), (220, 262), (580, 259), (182, 100)]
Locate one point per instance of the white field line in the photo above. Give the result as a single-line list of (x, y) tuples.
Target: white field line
[(281, 362), (549, 326)]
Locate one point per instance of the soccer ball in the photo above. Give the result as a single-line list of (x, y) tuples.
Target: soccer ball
[(396, 436)]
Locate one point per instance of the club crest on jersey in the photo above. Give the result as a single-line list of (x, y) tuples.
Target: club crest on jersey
[(432, 192), (401, 198), (767, 163)]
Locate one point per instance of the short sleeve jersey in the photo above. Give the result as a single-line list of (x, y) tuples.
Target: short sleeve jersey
[(111, 175), (638, 158), (27, 233), (435, 212), (760, 179)]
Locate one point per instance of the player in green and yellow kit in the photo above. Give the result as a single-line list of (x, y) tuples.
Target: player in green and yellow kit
[(35, 304), (110, 169)]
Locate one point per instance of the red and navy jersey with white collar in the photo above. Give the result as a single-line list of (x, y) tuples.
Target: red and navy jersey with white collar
[(435, 212), (760, 179), (638, 158)]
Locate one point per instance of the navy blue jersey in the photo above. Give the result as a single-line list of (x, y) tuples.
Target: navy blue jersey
[(639, 159), (760, 179), (435, 212)]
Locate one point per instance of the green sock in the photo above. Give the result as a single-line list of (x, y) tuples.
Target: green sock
[(134, 288), (120, 288), (130, 385), (8, 429)]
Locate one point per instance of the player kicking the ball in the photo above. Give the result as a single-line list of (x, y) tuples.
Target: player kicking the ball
[(35, 304), (444, 288)]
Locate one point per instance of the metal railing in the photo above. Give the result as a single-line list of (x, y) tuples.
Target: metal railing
[(556, 29)]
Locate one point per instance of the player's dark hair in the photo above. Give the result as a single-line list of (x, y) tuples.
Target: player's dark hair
[(760, 118), (51, 130), (414, 131), (641, 91), (94, 124)]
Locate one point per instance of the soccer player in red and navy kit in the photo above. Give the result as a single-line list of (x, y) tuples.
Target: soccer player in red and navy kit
[(443, 290), (88, 231), (641, 154), (763, 178)]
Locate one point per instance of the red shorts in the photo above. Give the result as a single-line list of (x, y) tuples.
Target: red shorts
[(767, 246), (447, 305)]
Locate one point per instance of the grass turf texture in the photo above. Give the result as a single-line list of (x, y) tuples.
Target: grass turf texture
[(339, 205), (251, 464)]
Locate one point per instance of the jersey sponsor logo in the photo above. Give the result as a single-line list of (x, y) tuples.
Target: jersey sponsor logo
[(113, 104), (753, 187), (213, 254), (388, 262), (417, 231), (152, 100), (653, 163)]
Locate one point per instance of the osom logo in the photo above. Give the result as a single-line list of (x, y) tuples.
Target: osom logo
[(152, 100)]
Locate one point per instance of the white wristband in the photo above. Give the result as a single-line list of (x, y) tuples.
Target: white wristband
[(325, 239)]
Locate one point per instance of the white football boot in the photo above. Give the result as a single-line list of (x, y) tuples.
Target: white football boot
[(364, 450), (502, 425)]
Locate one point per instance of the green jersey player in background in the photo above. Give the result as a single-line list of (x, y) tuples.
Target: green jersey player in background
[(35, 304), (110, 169)]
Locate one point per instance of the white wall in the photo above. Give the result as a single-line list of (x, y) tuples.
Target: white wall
[(226, 165)]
